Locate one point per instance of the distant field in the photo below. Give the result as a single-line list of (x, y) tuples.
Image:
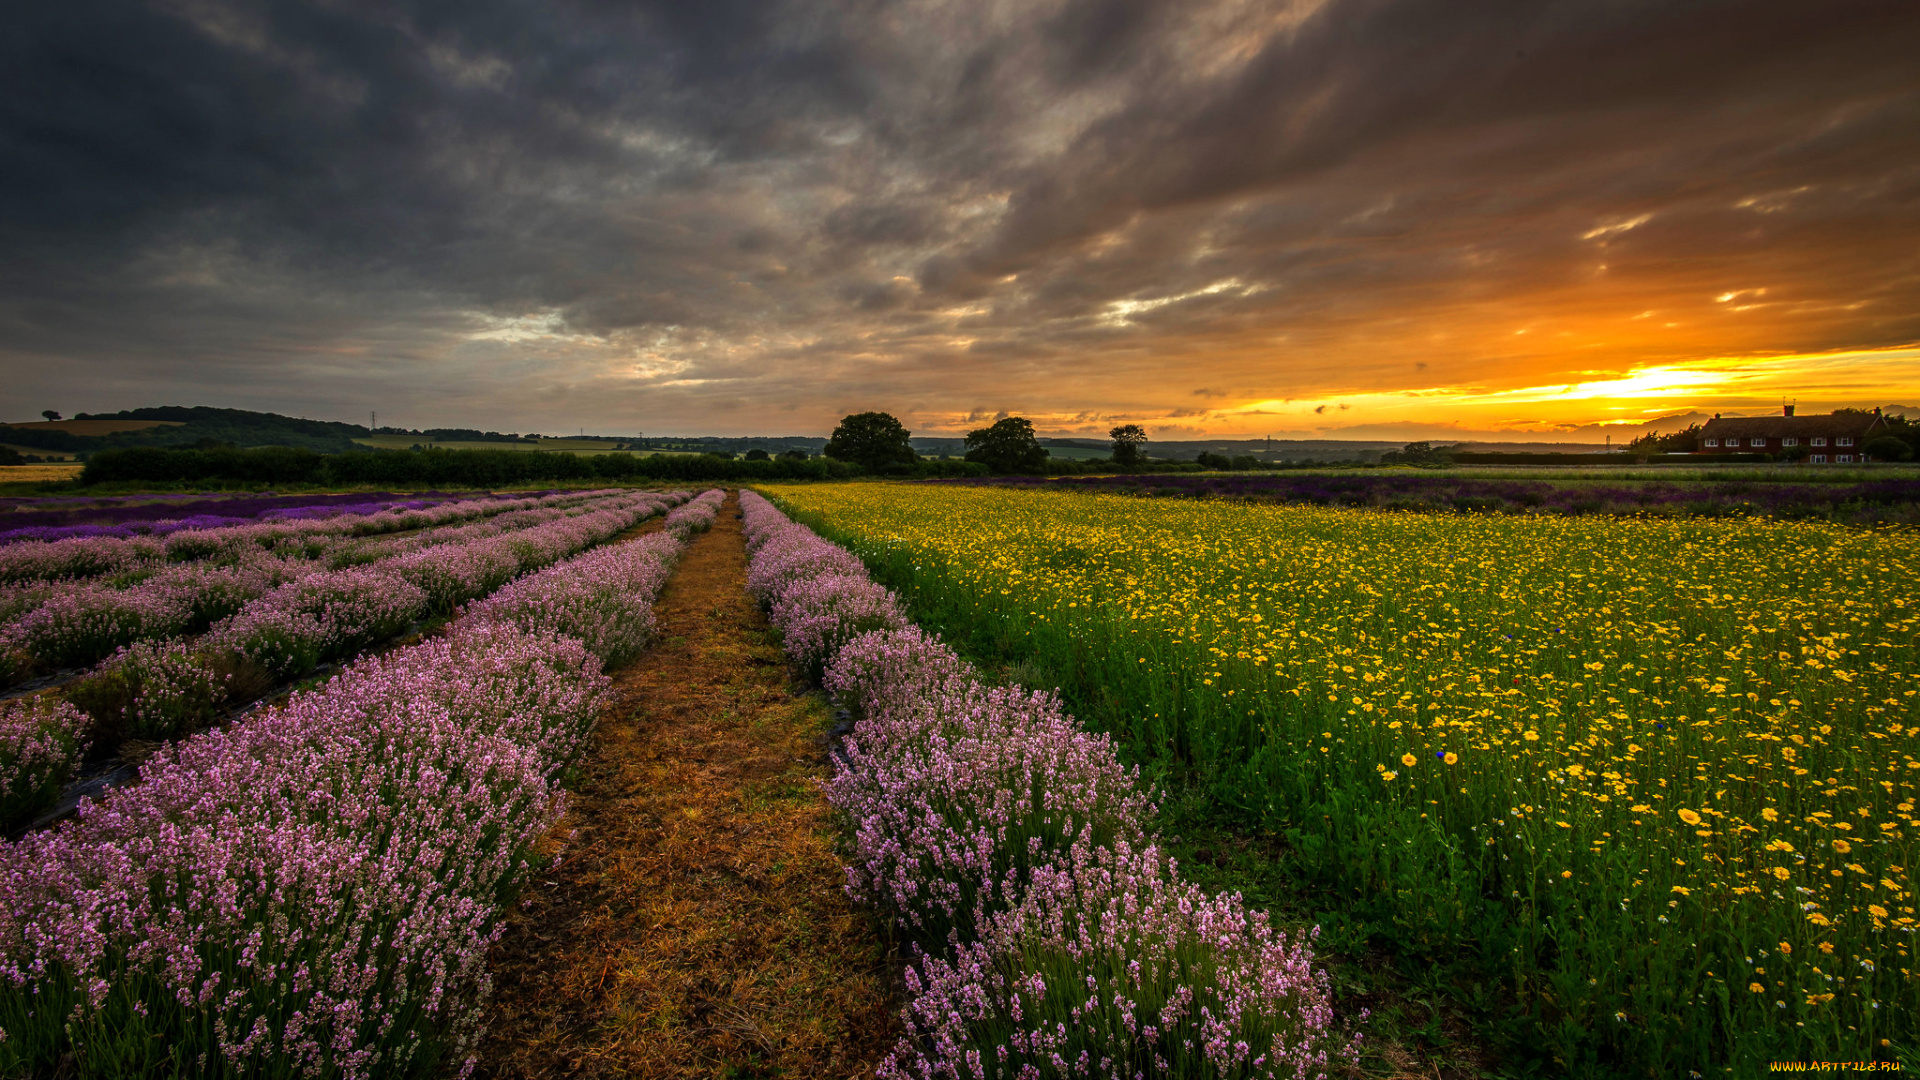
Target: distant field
[(40, 450), (1076, 453), (37, 474), (97, 427)]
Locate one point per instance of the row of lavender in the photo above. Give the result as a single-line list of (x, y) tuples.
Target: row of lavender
[(1053, 937), (314, 892), (212, 575), (149, 525), (288, 533), (159, 690), (138, 515)]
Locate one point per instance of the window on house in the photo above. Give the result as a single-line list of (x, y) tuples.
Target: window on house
[(1756, 442), (1789, 441), (1844, 440), (1819, 440), (1713, 442), (1818, 459), (1846, 459)]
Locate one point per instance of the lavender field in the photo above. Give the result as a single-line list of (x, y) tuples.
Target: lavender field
[(314, 891), (172, 633)]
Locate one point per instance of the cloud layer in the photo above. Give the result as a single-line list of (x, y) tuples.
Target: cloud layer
[(737, 216)]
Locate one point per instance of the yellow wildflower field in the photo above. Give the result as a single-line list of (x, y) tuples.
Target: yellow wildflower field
[(1695, 739)]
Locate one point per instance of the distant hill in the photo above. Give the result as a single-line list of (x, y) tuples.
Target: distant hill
[(177, 425)]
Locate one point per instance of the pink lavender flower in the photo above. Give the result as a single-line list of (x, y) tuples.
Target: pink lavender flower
[(152, 690), (41, 740), (604, 598), (817, 615), (958, 792), (1111, 966), (696, 516)]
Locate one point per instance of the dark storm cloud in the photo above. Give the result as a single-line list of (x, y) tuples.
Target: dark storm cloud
[(727, 215)]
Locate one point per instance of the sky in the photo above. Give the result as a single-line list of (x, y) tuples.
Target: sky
[(1347, 218)]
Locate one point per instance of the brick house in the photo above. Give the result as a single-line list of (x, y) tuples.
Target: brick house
[(1833, 438)]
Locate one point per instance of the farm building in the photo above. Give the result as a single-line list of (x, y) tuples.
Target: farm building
[(1831, 438)]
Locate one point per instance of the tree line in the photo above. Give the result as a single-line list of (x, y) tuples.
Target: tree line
[(863, 444)]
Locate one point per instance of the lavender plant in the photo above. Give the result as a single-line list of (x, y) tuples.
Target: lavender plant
[(818, 615), (958, 793), (696, 516), (41, 739), (153, 691), (1111, 966)]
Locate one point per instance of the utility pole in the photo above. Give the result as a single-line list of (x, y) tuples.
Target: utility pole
[(373, 422)]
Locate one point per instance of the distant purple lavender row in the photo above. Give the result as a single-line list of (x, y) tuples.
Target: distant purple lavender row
[(150, 525), (315, 891), (1870, 500), (83, 556), (1013, 848), (138, 511)]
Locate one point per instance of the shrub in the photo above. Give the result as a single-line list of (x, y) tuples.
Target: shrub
[(41, 740), (817, 615), (1113, 967), (958, 793)]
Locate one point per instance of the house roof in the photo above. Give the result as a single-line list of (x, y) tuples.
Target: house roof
[(1747, 427)]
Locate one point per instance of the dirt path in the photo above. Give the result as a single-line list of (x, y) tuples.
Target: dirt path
[(695, 924)]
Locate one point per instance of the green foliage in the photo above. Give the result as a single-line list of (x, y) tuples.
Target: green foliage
[(10, 456), (1009, 446), (1888, 448), (875, 441), (1418, 453), (1684, 441)]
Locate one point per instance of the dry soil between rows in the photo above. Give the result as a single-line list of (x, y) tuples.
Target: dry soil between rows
[(694, 923)]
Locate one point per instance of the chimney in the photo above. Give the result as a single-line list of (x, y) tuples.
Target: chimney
[(1787, 409)]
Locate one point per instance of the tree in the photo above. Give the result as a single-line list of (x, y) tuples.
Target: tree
[(756, 454), (793, 455), (50, 415), (1417, 453), (1210, 460), (1128, 440), (1684, 441), (1007, 447), (1888, 448), (872, 440)]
